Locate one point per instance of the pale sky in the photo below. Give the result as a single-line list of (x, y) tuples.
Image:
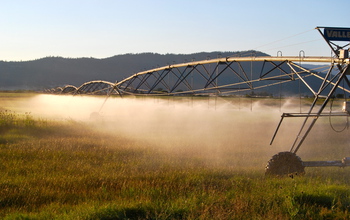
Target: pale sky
[(32, 29)]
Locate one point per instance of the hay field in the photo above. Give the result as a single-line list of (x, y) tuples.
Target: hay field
[(162, 158)]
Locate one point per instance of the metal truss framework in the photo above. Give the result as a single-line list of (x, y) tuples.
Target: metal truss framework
[(220, 76), (69, 89), (97, 88)]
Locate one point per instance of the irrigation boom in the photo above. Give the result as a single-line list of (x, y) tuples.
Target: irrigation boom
[(229, 75)]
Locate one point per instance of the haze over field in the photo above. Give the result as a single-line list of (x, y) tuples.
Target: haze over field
[(234, 132)]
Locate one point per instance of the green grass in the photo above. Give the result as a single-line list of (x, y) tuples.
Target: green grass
[(71, 170)]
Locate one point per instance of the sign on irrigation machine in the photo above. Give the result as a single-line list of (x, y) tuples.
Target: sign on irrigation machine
[(337, 34)]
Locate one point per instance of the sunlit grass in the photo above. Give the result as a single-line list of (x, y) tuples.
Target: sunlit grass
[(69, 169)]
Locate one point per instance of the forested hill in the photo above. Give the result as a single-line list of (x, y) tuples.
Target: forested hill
[(51, 72)]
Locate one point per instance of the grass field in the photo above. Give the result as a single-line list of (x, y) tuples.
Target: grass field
[(161, 159)]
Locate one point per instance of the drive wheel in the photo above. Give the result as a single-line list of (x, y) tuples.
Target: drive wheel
[(285, 164)]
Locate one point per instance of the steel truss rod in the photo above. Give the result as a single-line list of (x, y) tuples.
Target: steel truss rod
[(244, 78), (142, 81), (93, 87), (276, 67), (301, 137), (159, 79), (215, 74), (214, 84), (325, 83), (301, 78), (302, 115), (182, 78), (114, 88), (129, 82)]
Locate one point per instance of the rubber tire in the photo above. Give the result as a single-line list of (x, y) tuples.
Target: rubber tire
[(285, 164)]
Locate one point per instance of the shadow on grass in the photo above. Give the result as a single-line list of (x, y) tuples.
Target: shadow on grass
[(326, 201), (111, 213), (318, 200)]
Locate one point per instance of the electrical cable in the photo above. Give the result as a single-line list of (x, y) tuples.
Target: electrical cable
[(276, 41), (245, 53), (330, 116), (291, 45), (284, 38)]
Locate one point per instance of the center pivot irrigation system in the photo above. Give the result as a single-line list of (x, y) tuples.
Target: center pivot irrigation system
[(248, 73)]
